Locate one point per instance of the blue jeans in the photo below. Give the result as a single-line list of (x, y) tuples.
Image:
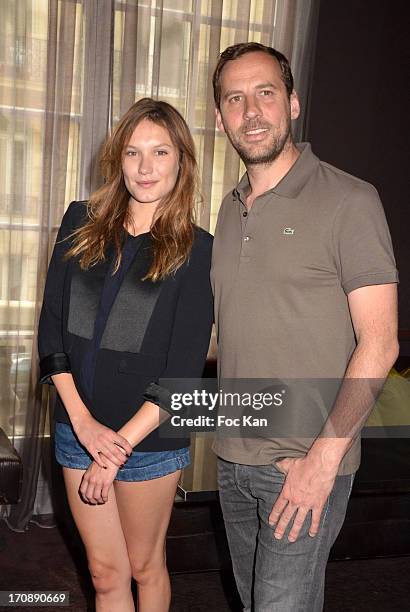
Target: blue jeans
[(276, 575)]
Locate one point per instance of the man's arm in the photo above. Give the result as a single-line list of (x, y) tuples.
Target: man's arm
[(309, 480), (374, 315)]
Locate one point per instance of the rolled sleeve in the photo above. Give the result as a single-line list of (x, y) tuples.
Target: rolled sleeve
[(57, 363), (160, 396)]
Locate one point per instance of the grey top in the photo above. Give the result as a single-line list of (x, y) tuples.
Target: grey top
[(281, 273)]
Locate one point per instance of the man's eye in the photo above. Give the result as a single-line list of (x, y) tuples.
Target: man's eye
[(235, 99), (266, 92)]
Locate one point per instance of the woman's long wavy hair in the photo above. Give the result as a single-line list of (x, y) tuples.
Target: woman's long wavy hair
[(172, 229)]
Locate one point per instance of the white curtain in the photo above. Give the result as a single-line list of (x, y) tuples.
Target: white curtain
[(68, 70)]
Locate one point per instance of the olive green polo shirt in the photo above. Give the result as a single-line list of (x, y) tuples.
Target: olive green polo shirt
[(281, 274)]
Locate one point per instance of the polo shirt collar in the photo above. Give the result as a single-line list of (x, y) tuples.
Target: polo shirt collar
[(293, 182)]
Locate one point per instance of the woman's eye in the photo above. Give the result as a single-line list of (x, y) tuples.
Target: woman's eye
[(161, 153), (130, 153)]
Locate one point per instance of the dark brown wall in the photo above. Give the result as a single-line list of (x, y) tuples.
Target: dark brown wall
[(359, 108)]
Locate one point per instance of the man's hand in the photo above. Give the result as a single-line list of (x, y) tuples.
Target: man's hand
[(307, 486), (96, 482), (98, 438)]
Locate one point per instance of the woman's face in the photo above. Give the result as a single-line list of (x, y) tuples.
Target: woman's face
[(150, 163)]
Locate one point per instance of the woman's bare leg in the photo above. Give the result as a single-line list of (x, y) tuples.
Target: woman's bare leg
[(145, 510), (101, 531)]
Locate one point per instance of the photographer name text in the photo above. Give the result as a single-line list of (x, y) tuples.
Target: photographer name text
[(218, 421)]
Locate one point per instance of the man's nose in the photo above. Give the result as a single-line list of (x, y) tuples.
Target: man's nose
[(252, 108)]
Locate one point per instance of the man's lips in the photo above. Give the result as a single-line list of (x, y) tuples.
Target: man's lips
[(255, 134), (256, 131)]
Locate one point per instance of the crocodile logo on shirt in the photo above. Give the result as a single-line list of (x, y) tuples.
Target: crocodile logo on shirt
[(288, 231)]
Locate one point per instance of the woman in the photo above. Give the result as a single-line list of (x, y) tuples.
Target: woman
[(127, 302)]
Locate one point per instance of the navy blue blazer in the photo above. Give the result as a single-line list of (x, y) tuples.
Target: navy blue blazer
[(152, 330)]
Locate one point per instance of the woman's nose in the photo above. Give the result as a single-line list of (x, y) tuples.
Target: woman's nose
[(145, 165)]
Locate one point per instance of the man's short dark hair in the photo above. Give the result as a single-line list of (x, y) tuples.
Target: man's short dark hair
[(235, 51)]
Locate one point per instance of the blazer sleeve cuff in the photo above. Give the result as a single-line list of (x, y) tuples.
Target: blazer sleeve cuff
[(160, 396), (53, 364)]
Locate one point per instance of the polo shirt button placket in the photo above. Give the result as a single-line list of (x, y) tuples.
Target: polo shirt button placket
[(245, 250)]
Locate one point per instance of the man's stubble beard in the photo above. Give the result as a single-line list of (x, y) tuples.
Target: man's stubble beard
[(270, 152)]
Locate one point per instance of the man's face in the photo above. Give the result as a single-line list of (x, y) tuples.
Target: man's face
[(255, 108)]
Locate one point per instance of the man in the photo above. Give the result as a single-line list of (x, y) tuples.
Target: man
[(305, 288)]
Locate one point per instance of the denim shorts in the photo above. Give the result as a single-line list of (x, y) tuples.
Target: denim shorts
[(139, 466)]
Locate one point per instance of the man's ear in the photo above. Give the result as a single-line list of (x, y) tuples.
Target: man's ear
[(294, 105), (219, 122)]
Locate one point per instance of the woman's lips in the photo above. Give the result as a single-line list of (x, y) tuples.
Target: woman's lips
[(146, 184)]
